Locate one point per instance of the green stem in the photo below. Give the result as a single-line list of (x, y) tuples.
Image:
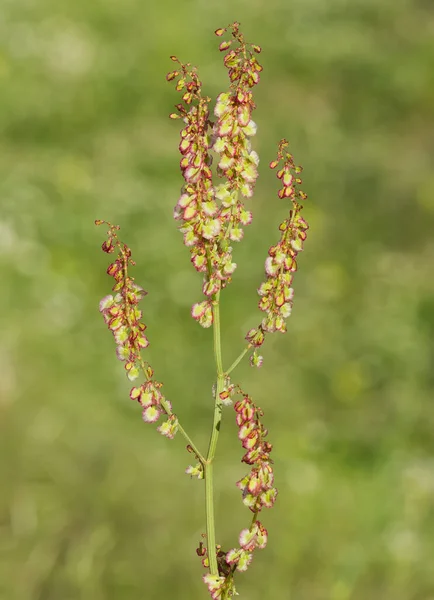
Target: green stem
[(217, 334), (198, 454), (238, 360), (210, 522), (209, 500)]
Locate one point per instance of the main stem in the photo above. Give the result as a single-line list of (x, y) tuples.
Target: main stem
[(209, 496)]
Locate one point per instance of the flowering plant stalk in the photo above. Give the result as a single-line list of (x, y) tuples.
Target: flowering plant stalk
[(211, 213)]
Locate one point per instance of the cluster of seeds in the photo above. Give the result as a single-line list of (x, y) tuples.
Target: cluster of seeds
[(154, 404), (219, 586), (257, 487), (276, 292), (213, 217), (257, 491), (197, 208), (123, 318), (121, 312), (232, 132)]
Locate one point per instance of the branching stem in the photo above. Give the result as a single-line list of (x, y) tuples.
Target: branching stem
[(238, 360)]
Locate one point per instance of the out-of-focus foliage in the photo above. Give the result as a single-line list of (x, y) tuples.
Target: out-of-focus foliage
[(94, 504)]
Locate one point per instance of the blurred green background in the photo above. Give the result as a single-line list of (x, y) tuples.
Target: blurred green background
[(94, 504)]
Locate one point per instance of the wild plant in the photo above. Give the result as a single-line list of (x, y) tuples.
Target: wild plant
[(211, 213)]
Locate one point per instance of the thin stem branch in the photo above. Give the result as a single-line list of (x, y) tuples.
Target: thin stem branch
[(238, 360), (197, 452)]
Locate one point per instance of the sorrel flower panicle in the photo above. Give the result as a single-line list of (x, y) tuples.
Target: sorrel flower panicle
[(212, 215)]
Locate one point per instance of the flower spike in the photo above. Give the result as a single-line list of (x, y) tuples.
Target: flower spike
[(212, 217), (276, 291), (124, 319)]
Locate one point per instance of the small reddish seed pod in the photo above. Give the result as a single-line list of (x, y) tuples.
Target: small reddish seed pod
[(220, 32), (273, 164), (257, 48), (224, 46), (254, 78), (107, 246)]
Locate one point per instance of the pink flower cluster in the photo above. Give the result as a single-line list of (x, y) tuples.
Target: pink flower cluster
[(212, 217), (123, 318), (154, 404), (257, 487), (249, 540), (258, 493), (276, 292), (121, 312), (232, 132), (219, 586), (196, 208)]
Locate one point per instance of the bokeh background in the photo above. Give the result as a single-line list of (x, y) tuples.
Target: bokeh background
[(94, 504)]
